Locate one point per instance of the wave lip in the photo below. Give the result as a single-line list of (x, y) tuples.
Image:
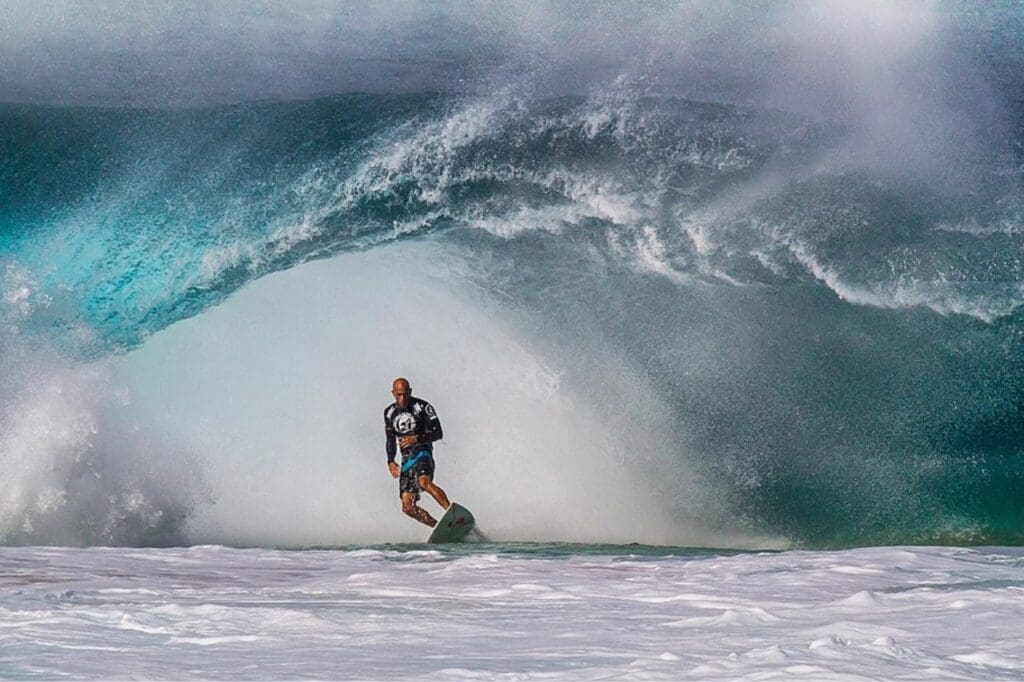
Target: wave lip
[(159, 229)]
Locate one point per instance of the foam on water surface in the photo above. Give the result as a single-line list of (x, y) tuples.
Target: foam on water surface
[(511, 612)]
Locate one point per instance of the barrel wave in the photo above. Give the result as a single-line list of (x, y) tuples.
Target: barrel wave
[(701, 322)]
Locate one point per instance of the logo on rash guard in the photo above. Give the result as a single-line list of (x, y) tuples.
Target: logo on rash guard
[(405, 423)]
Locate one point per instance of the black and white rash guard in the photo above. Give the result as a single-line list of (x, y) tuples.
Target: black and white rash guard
[(418, 418)]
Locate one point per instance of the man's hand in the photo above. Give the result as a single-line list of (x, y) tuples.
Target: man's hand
[(406, 442), (394, 469)]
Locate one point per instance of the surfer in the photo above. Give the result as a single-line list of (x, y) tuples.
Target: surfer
[(414, 425)]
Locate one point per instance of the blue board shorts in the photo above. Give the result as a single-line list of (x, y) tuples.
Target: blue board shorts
[(419, 464)]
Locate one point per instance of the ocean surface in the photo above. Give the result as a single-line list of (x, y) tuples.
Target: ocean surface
[(676, 275), (511, 612)]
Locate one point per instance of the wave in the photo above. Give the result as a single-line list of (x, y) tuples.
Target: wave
[(832, 339)]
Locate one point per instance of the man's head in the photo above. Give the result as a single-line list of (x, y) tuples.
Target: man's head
[(402, 392)]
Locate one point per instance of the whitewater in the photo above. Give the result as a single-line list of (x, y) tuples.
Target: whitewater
[(511, 612), (721, 307)]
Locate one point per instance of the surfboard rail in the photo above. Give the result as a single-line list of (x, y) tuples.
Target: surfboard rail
[(453, 526)]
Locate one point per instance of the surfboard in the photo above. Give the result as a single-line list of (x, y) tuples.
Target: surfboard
[(453, 526)]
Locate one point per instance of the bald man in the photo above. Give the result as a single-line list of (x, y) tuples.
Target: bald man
[(413, 424)]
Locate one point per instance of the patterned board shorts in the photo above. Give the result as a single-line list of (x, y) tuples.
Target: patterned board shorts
[(422, 464)]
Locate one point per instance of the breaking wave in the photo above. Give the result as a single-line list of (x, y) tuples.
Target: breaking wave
[(749, 326)]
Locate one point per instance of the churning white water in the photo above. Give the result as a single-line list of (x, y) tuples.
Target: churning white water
[(511, 612)]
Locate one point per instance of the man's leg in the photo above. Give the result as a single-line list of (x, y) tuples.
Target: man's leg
[(427, 483), (410, 507)]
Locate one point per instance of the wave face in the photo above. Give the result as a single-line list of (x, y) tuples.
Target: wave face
[(810, 325)]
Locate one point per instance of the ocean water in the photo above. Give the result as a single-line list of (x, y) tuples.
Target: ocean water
[(510, 612), (674, 276)]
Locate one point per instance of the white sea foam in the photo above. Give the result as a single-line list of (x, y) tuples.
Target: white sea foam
[(943, 297), (554, 613), (75, 470)]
